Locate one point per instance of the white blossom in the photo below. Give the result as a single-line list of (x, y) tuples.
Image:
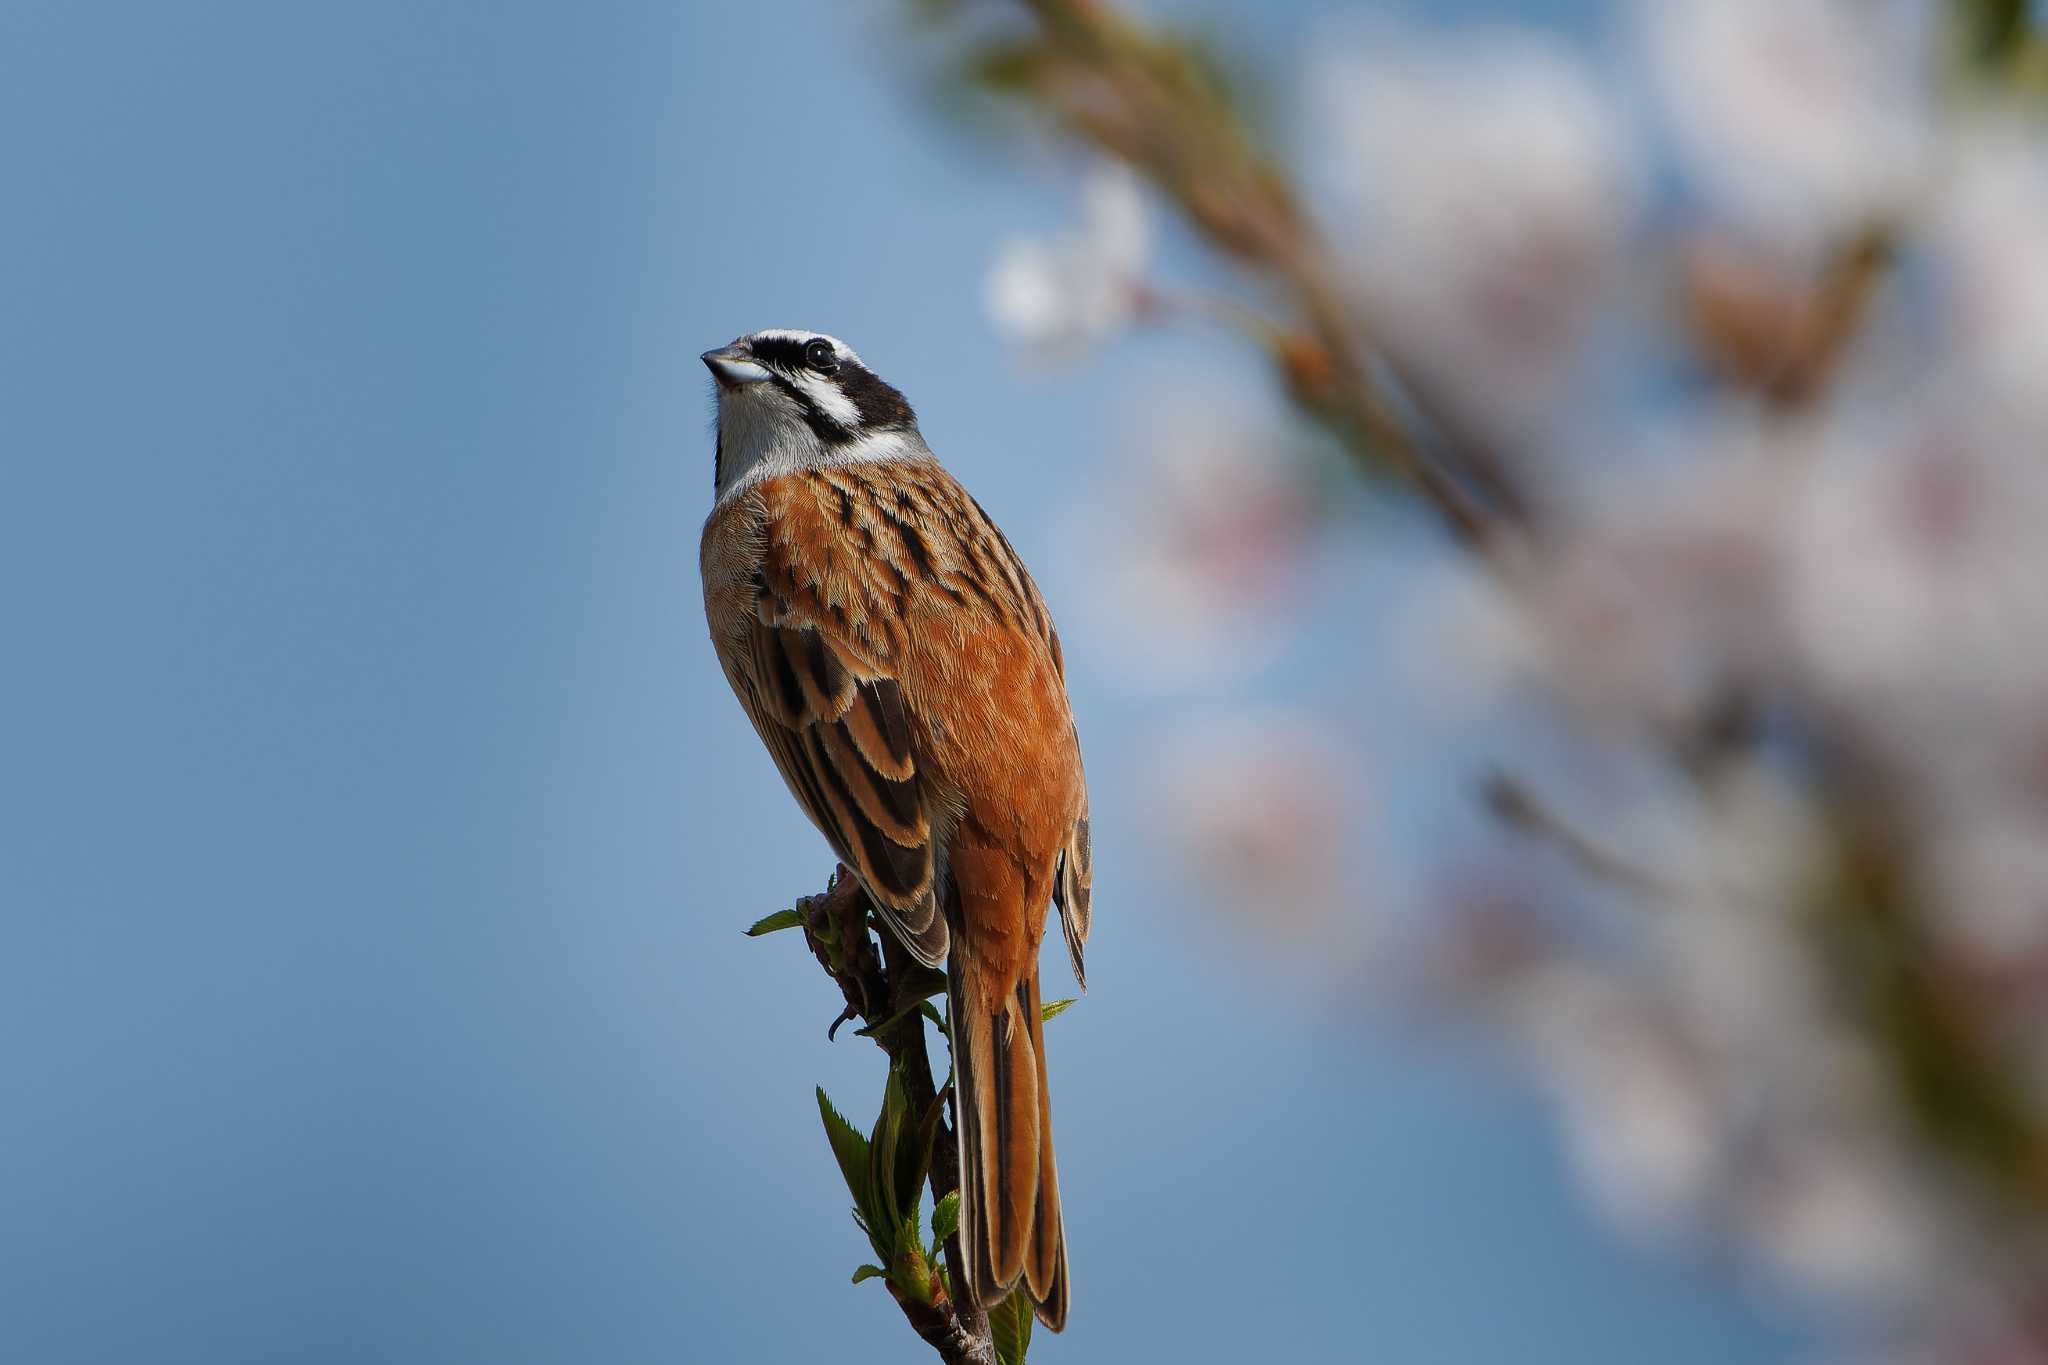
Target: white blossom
[(1798, 120), (1837, 1215), (1668, 590), (1055, 297), (1640, 1120), (1251, 802), (1917, 592), (1989, 876), (1986, 234), (1485, 190), (1197, 533)]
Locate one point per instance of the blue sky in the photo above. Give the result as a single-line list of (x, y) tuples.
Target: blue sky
[(376, 827)]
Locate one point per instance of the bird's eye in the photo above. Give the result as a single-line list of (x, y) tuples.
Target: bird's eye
[(820, 356)]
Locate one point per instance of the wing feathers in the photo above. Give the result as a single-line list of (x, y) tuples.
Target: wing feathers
[(828, 687), (779, 668), (877, 727), (896, 874), (839, 732), (891, 806), (1072, 892)]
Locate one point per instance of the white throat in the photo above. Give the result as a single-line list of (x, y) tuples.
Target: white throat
[(759, 439)]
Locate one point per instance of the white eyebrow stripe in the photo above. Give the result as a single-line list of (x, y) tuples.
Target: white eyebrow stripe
[(828, 398)]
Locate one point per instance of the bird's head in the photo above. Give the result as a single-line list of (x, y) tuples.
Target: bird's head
[(790, 400)]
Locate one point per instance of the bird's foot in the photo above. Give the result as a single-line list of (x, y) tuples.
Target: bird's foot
[(836, 927)]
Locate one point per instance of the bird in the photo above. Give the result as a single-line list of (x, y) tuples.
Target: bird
[(900, 666)]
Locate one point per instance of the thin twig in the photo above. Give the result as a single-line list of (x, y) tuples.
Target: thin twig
[(1514, 804), (1833, 318)]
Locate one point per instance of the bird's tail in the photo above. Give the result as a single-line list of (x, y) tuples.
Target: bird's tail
[(1010, 1229)]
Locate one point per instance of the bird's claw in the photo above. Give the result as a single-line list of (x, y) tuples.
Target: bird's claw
[(848, 1013), (835, 923)]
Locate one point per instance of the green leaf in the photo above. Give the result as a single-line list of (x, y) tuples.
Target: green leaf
[(925, 1005), (883, 1164), (946, 1217), (870, 1272), (1051, 1008), (782, 919), (931, 1012), (1009, 1323), (850, 1149)]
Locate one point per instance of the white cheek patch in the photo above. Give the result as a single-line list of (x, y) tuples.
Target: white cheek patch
[(827, 398), (883, 445)]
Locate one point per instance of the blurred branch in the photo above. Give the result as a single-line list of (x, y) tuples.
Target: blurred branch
[(886, 990), (1991, 32), (1955, 1080), (1149, 100)]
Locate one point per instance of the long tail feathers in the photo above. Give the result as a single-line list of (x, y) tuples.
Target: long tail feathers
[(1010, 1228)]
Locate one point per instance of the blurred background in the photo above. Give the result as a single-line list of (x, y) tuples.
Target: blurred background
[(377, 829)]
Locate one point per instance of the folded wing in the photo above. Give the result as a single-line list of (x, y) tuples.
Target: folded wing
[(836, 725)]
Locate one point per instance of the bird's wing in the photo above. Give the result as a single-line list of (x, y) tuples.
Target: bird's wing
[(1073, 891), (833, 717)]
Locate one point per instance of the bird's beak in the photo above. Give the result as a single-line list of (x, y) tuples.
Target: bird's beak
[(731, 368)]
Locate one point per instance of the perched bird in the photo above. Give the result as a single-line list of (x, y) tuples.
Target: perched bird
[(896, 658)]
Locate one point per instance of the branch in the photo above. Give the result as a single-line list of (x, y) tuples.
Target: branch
[(884, 990), (1151, 102)]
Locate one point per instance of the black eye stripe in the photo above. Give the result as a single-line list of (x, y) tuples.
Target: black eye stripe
[(796, 353), (785, 353)]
